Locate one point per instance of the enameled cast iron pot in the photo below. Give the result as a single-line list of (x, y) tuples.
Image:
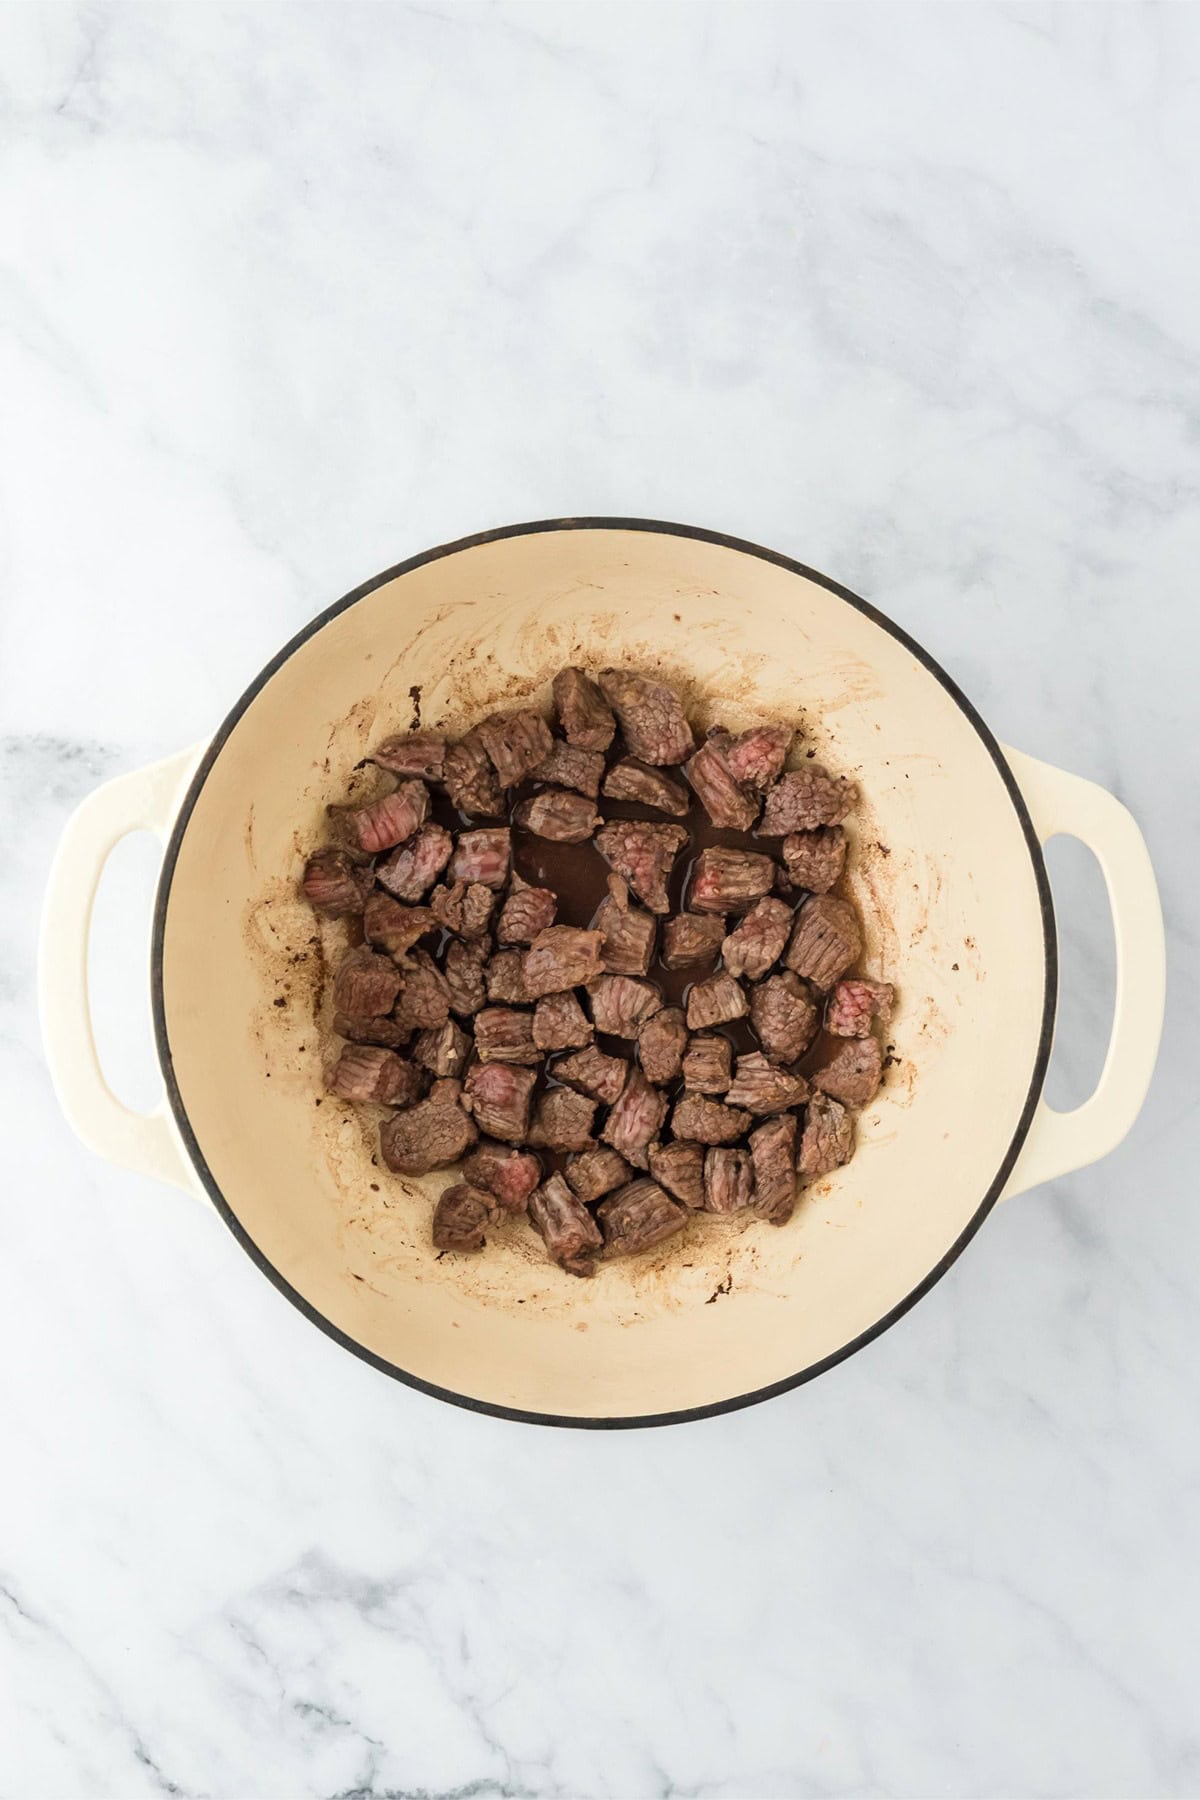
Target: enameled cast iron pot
[(947, 870)]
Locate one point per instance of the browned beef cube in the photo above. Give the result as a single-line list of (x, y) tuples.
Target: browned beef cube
[(586, 717), (826, 941), (600, 1076), (853, 1072), (804, 799), (815, 859), (729, 880), (756, 756), (597, 1172), (482, 856), (383, 1030), (466, 911), (621, 1004), (680, 1169), (692, 938), (527, 911), (853, 1005), (728, 1181), (510, 1176), (715, 1002), (644, 854), (558, 814), (638, 1217), (425, 997), (827, 1140), (367, 1073), (708, 1065), (431, 1134), (758, 940), (470, 779), (571, 1235), (762, 1088), (636, 1119), (420, 753), (464, 968), (773, 1153), (627, 931), (703, 1121), (661, 1043), (442, 1049), (568, 767), (505, 977), (561, 957), (461, 1217), (563, 1120), (784, 1016), (392, 819), (411, 870), (516, 742), (499, 1096), (727, 804), (393, 927), (633, 780), (334, 883), (652, 717), (366, 984), (559, 1023), (502, 1034)]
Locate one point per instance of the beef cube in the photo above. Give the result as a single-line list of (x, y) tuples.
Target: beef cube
[(727, 804), (628, 933), (652, 718), (393, 927), (505, 978), (334, 883), (466, 911), (516, 742), (411, 870), (756, 756), (804, 799), (392, 819), (827, 1140), (567, 767), (571, 1235), (482, 856), (636, 1119), (853, 1072), (586, 717), (728, 1181), (715, 1002), (558, 814), (509, 1176), (461, 1216), (425, 997), (559, 1023), (621, 1004), (420, 753), (563, 1120), (644, 854), (560, 957), (464, 967), (470, 779), (853, 1005), (442, 1049), (633, 780), (762, 1088), (638, 1217), (504, 1035), (773, 1154), (366, 984), (708, 1065), (702, 1121), (600, 1076), (784, 1016), (729, 880), (597, 1172), (815, 859), (692, 938), (430, 1135), (661, 1043), (680, 1169), (499, 1097), (826, 941), (758, 940), (383, 1031), (367, 1073), (527, 911)]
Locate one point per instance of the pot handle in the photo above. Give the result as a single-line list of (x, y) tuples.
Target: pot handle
[(144, 800), (1059, 1142)]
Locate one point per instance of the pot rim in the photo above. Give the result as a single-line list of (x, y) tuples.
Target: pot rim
[(166, 1061)]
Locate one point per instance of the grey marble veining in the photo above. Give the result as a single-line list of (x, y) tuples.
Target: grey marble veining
[(288, 293)]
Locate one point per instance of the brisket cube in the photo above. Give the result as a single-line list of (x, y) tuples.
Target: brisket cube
[(628, 933), (499, 1097), (505, 977), (680, 1169), (567, 1228), (395, 928), (814, 859), (586, 717), (391, 819), (470, 779), (383, 1030), (804, 799), (621, 1004), (773, 1154), (644, 854), (482, 856), (827, 1140), (661, 1043), (568, 767), (758, 939), (411, 870), (762, 1088), (728, 1181), (708, 1065), (636, 1119), (560, 957), (560, 815), (692, 938), (853, 1072), (727, 804), (442, 1049), (597, 1172), (466, 911), (508, 1175), (516, 742), (715, 1002), (703, 1121), (464, 966), (633, 780), (729, 880), (502, 1034), (527, 911), (334, 883), (368, 1074), (600, 1076), (563, 1120), (425, 997), (420, 753), (652, 718), (431, 1134), (827, 939), (461, 1217), (560, 1023), (756, 756), (366, 984), (854, 1005), (784, 1016), (638, 1217)]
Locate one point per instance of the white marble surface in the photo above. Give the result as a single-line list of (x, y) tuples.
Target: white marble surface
[(288, 293)]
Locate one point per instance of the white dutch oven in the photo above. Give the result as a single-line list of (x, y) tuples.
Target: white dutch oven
[(947, 870)]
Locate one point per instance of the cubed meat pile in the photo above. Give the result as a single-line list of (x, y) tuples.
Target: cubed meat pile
[(600, 969)]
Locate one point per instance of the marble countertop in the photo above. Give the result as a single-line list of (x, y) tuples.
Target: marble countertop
[(289, 293)]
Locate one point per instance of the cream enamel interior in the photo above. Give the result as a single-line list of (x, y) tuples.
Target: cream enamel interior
[(941, 870)]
